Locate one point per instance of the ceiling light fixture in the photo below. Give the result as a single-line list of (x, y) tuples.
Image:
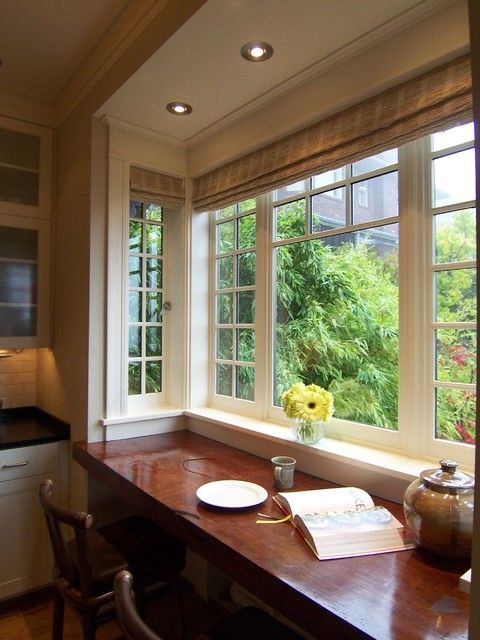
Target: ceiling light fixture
[(179, 108), (257, 51)]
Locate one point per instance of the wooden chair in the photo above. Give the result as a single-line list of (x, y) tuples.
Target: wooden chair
[(85, 565), (249, 622)]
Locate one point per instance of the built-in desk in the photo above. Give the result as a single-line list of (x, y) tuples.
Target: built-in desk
[(392, 596)]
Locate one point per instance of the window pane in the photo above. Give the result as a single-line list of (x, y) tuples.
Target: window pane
[(134, 378), (454, 234), (227, 212), (378, 161), (225, 237), (454, 178), (245, 345), (246, 232), (380, 195), (247, 205), (154, 239), (245, 383), (154, 307), (455, 295), (246, 307), (134, 271), (136, 209), (455, 415), (337, 322), (154, 273), (225, 272), (225, 344), (153, 339), (456, 357), (135, 236), (134, 306), (289, 191), (328, 177), (246, 269), (153, 212), (134, 341), (329, 210), (452, 137), (290, 220), (153, 376), (225, 308), (224, 379)]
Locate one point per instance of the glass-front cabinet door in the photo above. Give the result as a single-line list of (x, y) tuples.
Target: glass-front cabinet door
[(24, 282), (25, 207), (25, 169)]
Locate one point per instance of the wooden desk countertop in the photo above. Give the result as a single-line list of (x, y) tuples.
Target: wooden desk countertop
[(393, 596)]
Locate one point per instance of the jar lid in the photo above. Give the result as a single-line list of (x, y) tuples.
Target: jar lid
[(447, 477)]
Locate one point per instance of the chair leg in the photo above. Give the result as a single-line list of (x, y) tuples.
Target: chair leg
[(89, 624), (181, 627), (58, 613)]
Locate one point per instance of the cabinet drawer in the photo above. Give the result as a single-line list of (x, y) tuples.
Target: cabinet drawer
[(28, 461)]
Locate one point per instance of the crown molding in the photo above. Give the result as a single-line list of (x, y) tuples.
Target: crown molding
[(144, 132), (14, 105)]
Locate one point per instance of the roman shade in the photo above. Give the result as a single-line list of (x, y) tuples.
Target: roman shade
[(434, 100), (158, 188)]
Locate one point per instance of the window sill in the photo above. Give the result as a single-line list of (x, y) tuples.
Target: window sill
[(158, 420), (381, 473), (154, 414)]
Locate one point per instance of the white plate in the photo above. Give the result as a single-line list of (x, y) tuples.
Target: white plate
[(233, 494)]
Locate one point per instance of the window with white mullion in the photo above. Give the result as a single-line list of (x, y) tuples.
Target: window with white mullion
[(319, 235), (454, 328), (235, 278), (145, 297)]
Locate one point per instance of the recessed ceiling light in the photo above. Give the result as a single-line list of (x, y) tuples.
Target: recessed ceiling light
[(257, 51), (179, 108)]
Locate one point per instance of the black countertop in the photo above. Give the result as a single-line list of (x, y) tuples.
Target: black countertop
[(28, 426)]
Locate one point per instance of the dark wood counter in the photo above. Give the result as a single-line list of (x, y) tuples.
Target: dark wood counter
[(392, 596)]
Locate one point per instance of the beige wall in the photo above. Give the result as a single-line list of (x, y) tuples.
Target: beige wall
[(79, 257)]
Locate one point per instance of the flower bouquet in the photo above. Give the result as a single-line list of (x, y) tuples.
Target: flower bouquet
[(308, 408)]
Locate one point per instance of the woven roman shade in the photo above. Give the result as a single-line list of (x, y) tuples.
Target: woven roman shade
[(158, 188), (437, 99)]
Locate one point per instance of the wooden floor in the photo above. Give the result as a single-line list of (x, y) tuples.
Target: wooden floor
[(30, 618)]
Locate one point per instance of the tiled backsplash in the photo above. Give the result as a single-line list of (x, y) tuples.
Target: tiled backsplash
[(18, 379)]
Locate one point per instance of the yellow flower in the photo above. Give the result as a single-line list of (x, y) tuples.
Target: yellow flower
[(308, 402)]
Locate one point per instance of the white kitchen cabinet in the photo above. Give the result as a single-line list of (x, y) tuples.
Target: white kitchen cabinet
[(26, 558), (25, 204), (24, 282), (25, 169)]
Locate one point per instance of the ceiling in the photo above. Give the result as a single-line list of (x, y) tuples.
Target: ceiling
[(43, 42)]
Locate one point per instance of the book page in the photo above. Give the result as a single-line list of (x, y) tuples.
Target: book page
[(324, 500), (352, 533), (349, 522)]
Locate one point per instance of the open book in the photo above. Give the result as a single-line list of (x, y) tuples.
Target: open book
[(343, 522)]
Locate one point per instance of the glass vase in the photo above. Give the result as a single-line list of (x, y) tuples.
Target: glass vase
[(307, 431)]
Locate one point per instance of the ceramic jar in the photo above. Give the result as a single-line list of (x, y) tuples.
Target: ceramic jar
[(439, 511)]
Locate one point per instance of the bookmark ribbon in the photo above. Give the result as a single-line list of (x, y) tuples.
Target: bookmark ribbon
[(274, 520)]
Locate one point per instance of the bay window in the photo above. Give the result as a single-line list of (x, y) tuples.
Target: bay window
[(370, 270)]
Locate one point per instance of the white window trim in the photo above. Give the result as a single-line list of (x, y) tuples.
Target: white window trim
[(416, 381), (121, 408)]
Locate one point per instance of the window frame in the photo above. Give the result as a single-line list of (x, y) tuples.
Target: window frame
[(415, 217), (119, 406)]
